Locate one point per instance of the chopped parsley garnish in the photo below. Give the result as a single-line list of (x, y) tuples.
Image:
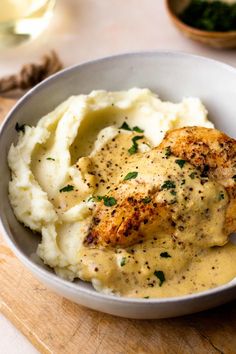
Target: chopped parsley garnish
[(221, 196), (234, 178), (131, 175), (165, 255), (138, 130), (50, 159), (67, 188), (125, 126), (210, 15), (134, 147), (146, 200), (168, 151), (123, 261), (100, 198), (168, 185), (181, 163), (108, 201), (160, 275), (192, 175), (183, 182), (146, 297), (173, 192), (91, 199), (20, 128)]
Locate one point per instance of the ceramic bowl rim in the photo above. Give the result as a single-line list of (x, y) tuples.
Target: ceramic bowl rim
[(52, 277)]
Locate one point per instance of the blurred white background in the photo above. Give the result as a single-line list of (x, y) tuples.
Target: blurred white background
[(82, 30)]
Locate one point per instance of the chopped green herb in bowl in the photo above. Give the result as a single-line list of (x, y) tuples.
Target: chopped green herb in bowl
[(210, 15)]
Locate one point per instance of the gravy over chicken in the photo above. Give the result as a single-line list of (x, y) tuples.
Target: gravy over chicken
[(163, 232), (126, 196)]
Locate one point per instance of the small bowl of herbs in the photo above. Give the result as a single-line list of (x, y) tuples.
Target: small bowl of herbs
[(211, 22)]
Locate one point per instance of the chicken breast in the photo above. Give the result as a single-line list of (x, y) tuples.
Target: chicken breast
[(214, 153), (143, 208)]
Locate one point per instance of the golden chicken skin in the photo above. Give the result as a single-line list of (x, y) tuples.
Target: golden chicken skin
[(214, 153), (186, 182)]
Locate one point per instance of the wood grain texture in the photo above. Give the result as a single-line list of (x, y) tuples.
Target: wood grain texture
[(56, 325), (5, 105)]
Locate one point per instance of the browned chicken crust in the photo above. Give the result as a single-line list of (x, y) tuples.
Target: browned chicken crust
[(214, 153), (132, 220)]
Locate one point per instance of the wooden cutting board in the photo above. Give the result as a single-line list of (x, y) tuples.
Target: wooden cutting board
[(56, 325)]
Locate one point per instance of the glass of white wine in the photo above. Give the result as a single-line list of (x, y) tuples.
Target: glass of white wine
[(23, 19)]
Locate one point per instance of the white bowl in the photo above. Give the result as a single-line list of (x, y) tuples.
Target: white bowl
[(172, 76)]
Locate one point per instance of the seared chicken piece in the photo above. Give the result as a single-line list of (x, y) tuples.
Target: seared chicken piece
[(138, 214), (214, 153), (131, 221)]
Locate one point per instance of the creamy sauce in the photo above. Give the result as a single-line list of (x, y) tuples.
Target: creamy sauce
[(186, 261), (187, 270), (103, 170), (189, 259), (186, 251)]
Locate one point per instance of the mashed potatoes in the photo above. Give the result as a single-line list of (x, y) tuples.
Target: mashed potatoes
[(59, 165)]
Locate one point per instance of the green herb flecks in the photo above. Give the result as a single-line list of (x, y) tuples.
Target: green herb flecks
[(168, 151), (168, 185), (125, 126), (20, 128), (173, 192), (91, 199), (160, 275), (192, 175), (131, 175), (146, 200), (183, 182), (165, 255), (50, 159), (108, 201), (134, 148), (221, 196), (146, 297), (210, 15), (138, 130), (123, 261), (67, 188), (181, 163)]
